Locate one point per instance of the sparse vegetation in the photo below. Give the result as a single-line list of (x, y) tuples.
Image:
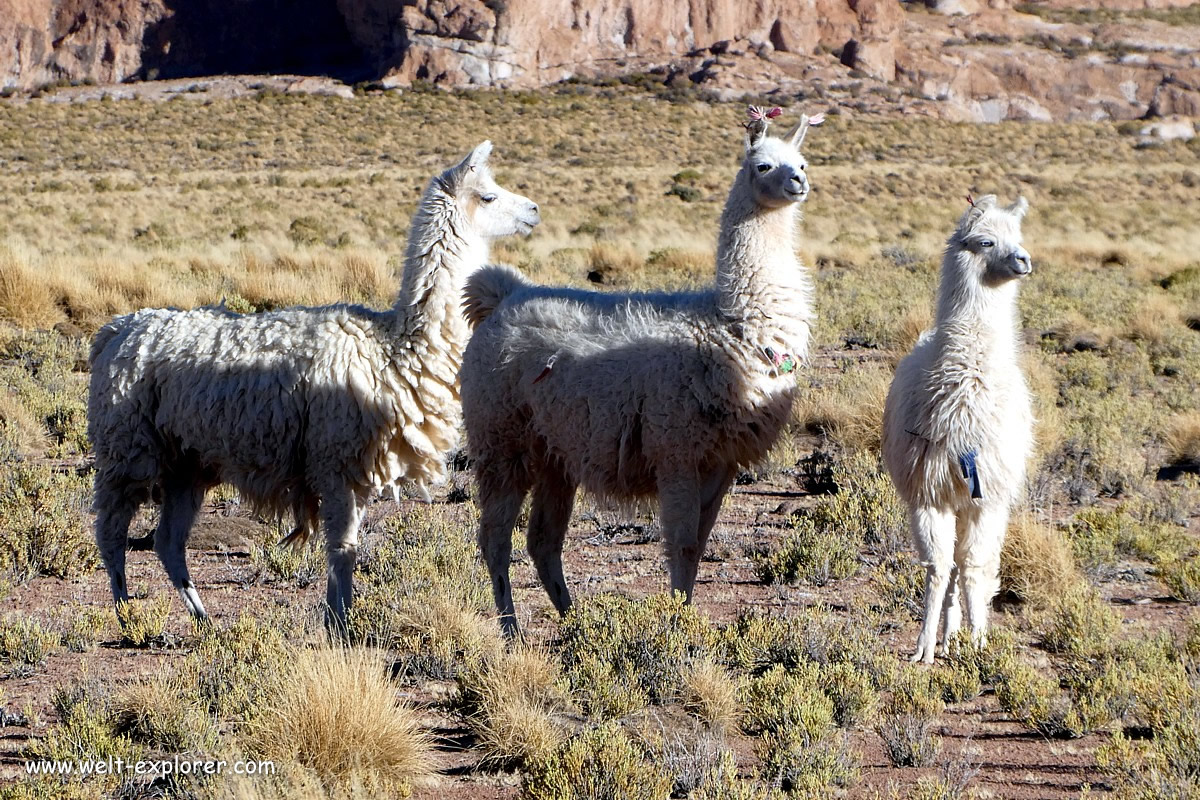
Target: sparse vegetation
[(265, 202)]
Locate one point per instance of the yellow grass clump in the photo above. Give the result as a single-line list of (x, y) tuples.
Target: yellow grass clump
[(711, 694), (1183, 438), (1036, 563), (335, 711), (24, 300), (510, 700)]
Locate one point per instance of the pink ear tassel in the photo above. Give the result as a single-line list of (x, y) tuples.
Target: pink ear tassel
[(757, 113), (816, 119)]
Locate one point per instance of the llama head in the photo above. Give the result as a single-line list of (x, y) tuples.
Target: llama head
[(988, 241), (492, 210), (775, 169)]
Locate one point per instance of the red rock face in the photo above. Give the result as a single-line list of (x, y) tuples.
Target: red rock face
[(960, 59)]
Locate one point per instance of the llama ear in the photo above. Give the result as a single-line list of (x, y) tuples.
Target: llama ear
[(1019, 208), (797, 134), (479, 156), (756, 130)]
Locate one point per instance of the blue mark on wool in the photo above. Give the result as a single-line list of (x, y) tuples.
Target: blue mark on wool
[(970, 473)]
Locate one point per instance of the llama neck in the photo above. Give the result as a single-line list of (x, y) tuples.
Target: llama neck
[(975, 321), (760, 283), (442, 251)]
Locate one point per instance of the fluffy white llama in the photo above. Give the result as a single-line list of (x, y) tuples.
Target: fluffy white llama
[(957, 427), (631, 395), (307, 410)]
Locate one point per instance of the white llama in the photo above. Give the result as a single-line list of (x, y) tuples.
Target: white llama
[(631, 395), (957, 426), (307, 410)]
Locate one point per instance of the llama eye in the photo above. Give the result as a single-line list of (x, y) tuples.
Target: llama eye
[(763, 167), (488, 198), (987, 243)]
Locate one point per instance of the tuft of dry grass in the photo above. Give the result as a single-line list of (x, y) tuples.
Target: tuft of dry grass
[(24, 300), (612, 265), (1183, 438), (334, 711), (1036, 563), (510, 700), (848, 409), (711, 694), (912, 324), (1153, 320)]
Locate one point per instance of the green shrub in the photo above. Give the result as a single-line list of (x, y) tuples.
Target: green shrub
[(82, 627), (645, 644), (1080, 624), (807, 768), (808, 554), (852, 692), (299, 566), (1182, 578), (899, 585), (791, 702), (144, 623), (603, 763), (43, 526), (85, 731), (24, 644), (422, 593), (907, 718)]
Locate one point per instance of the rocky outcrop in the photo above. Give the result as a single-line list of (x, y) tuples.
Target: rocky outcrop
[(961, 59)]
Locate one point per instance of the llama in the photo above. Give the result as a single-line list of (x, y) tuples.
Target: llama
[(307, 410), (957, 425), (632, 395)]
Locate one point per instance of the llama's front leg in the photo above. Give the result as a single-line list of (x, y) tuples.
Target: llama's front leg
[(553, 499), (952, 610), (499, 506), (933, 535), (712, 495), (340, 517), (679, 513), (114, 512), (182, 498), (978, 557)]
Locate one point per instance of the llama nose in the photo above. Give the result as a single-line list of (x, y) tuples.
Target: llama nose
[(1024, 264)]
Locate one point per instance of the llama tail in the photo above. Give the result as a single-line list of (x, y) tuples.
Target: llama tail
[(486, 289)]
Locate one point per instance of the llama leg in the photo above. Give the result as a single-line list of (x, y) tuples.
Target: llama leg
[(114, 512), (339, 517), (978, 556), (182, 498), (933, 535), (680, 512), (952, 610), (712, 495), (498, 509), (553, 498)]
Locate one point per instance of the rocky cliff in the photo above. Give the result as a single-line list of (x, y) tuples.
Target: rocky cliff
[(963, 59)]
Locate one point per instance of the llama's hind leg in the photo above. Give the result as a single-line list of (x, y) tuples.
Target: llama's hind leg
[(115, 506), (933, 535), (182, 497), (553, 499), (499, 505), (978, 557)]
